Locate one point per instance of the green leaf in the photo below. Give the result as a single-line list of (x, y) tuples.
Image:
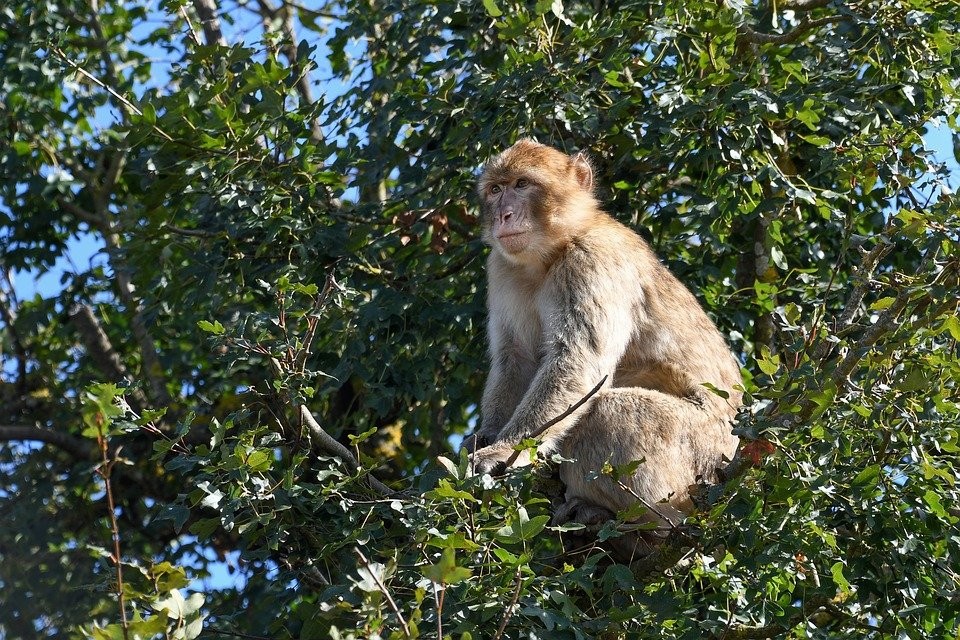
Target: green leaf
[(768, 362), (522, 527), (167, 577), (260, 460), (445, 491), (453, 541), (211, 327), (446, 570), (882, 303), (952, 324), (836, 570), (361, 437), (868, 477), (933, 501), (492, 10)]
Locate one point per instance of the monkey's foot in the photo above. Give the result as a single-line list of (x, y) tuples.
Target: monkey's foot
[(582, 512)]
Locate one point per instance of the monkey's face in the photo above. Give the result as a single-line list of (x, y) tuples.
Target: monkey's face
[(509, 214), (514, 193), (533, 199)]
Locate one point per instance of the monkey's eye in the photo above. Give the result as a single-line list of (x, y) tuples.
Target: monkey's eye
[(522, 182), (495, 189)]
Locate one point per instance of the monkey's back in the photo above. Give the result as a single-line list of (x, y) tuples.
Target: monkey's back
[(675, 347)]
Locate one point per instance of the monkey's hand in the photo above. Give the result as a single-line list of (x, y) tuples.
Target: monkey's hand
[(476, 440), (493, 459)]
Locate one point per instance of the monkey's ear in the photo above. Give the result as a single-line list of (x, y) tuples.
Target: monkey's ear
[(583, 170)]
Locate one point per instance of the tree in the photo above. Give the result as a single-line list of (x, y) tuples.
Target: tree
[(270, 361)]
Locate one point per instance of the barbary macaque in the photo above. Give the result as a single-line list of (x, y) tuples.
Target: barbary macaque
[(576, 298)]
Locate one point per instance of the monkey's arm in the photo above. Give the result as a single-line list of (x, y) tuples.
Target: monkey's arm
[(511, 370), (589, 325)]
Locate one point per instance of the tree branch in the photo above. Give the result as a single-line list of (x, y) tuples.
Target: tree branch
[(8, 314), (549, 423), (384, 591), (208, 12), (324, 442), (748, 35), (101, 351), (269, 12), (803, 5), (862, 276), (77, 447)]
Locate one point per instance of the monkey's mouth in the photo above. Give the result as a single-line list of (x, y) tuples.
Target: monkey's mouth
[(513, 241)]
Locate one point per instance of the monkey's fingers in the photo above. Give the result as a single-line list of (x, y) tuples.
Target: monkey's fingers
[(491, 465), (473, 442)]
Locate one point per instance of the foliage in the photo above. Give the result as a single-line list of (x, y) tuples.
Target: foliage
[(267, 367)]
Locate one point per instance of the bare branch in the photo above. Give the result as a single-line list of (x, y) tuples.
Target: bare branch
[(77, 447), (129, 106), (862, 276), (748, 35), (884, 324), (513, 605), (190, 233), (105, 471), (803, 5), (207, 11), (151, 368), (82, 214), (8, 313), (101, 351), (324, 442)]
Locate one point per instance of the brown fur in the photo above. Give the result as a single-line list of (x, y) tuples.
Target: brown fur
[(575, 296)]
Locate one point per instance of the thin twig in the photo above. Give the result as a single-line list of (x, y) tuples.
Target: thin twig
[(125, 102), (438, 599), (513, 603), (549, 423), (646, 503), (383, 590), (104, 471)]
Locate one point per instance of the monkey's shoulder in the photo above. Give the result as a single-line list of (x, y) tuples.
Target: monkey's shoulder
[(607, 245)]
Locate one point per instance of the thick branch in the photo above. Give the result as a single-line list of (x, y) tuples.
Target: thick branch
[(289, 47), (324, 442), (207, 11), (101, 351), (748, 35), (862, 278), (151, 368), (802, 5), (8, 314), (77, 447)]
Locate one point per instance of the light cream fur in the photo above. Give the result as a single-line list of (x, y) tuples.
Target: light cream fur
[(576, 296)]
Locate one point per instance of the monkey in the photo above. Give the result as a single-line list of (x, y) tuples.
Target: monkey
[(576, 299)]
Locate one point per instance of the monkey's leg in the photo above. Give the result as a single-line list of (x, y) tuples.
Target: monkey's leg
[(676, 440)]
